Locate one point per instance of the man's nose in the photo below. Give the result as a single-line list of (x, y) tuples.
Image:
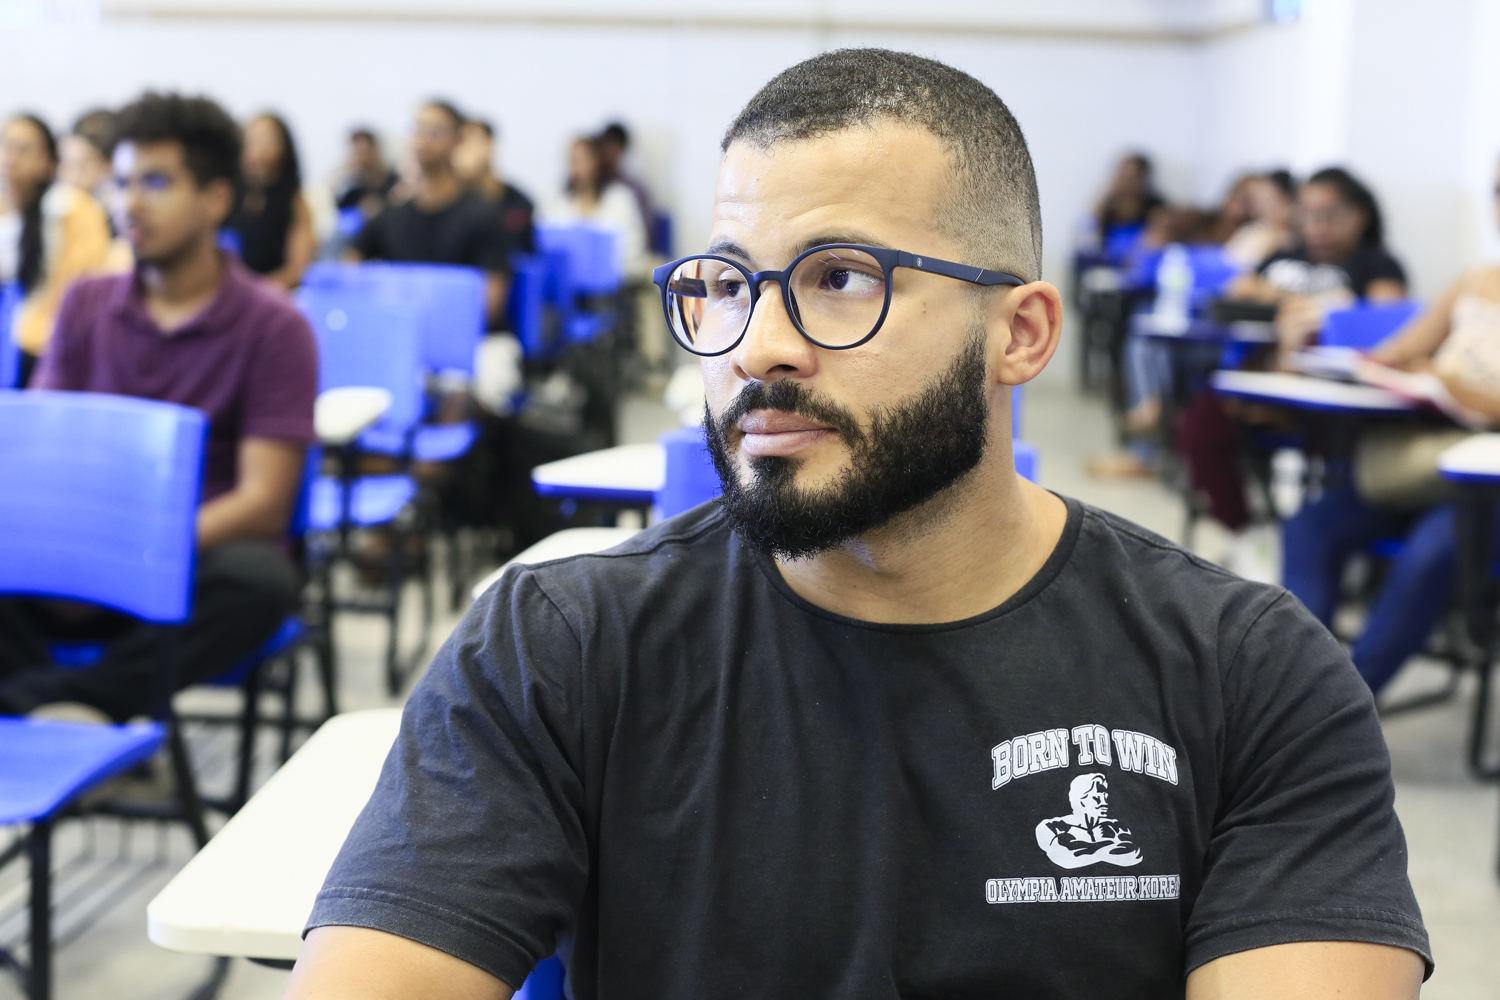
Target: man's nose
[(772, 348)]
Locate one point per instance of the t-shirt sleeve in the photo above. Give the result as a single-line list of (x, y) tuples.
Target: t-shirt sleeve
[(474, 840), (491, 243), (1306, 845), (282, 383), (57, 368)]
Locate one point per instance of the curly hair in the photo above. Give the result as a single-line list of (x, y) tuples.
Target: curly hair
[(993, 212), (210, 138)]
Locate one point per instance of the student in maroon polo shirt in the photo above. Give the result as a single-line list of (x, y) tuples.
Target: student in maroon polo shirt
[(189, 326)]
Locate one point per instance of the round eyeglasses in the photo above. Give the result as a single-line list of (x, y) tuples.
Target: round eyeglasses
[(837, 295)]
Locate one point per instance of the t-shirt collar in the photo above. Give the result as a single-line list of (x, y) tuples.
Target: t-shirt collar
[(235, 284)]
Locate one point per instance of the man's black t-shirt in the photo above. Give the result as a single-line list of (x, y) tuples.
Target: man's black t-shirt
[(1293, 271), (516, 214), (465, 232), (664, 764)]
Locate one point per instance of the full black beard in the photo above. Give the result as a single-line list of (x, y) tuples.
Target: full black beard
[(912, 452)]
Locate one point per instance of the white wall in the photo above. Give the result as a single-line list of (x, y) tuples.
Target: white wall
[(1079, 100), (1408, 96)]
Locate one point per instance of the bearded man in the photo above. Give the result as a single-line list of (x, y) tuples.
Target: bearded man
[(797, 742)]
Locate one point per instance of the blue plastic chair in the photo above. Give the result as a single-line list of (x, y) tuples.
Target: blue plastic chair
[(1365, 325), (526, 308), (99, 502), (362, 342), (593, 256), (10, 351), (1026, 459), (545, 981), (690, 477)]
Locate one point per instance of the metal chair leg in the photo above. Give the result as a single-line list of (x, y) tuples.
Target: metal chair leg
[(39, 847), (249, 726), (188, 803)]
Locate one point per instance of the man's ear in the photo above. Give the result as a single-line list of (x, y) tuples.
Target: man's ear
[(1025, 325), (218, 195)]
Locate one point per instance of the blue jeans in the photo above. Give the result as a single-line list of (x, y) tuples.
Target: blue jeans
[(1419, 583)]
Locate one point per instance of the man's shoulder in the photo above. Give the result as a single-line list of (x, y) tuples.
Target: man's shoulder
[(94, 294), (269, 314), (676, 554), (1121, 556)]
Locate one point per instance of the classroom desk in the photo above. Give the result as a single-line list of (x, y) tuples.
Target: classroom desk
[(1474, 464), (249, 892), (1201, 330), (1307, 393), (341, 415), (628, 476), (559, 545)]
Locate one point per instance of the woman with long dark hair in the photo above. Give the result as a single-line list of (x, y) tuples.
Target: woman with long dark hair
[(54, 234), (271, 219), (591, 196)]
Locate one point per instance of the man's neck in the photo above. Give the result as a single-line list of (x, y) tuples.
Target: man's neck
[(437, 190), (178, 289), (960, 554)]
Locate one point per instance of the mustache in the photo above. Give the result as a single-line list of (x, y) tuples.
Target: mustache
[(788, 396)]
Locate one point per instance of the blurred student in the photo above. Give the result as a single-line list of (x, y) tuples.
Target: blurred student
[(613, 143), (443, 222), (1340, 259), (191, 326), (368, 178), (85, 152), (474, 162), (1457, 340), (1130, 197), (1267, 228), (53, 234), (271, 219), (591, 196)]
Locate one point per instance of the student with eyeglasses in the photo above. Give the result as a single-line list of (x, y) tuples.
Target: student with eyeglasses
[(886, 719)]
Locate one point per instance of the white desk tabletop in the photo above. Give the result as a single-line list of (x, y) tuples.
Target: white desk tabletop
[(629, 468), (559, 545), (1475, 460), (249, 892), (1306, 392), (339, 415)]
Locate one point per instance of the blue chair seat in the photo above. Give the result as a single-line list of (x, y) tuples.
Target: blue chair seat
[(45, 764), (373, 500), (442, 442)]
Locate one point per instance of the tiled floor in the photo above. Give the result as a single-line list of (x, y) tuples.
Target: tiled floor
[(1452, 822)]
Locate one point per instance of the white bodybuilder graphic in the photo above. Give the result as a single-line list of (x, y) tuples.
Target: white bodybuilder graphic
[(1088, 835)]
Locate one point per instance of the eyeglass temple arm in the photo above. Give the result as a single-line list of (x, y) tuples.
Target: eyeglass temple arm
[(963, 272)]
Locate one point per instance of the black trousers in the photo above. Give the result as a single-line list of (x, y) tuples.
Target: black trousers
[(242, 592)]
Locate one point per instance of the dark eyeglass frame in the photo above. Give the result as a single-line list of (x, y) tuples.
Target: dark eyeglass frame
[(887, 258)]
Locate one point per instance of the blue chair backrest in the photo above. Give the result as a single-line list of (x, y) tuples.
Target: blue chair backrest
[(690, 478), (10, 351), (1364, 326), (1119, 241), (526, 308), (365, 342), (1017, 410), (592, 253), (1212, 271), (99, 500), (661, 235), (448, 300)]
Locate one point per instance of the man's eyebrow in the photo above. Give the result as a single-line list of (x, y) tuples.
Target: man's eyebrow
[(729, 248)]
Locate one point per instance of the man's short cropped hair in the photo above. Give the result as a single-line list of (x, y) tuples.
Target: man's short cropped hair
[(617, 133), (210, 138), (993, 214), (483, 124), (449, 109)]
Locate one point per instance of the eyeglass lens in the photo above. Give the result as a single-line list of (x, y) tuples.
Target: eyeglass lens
[(837, 294)]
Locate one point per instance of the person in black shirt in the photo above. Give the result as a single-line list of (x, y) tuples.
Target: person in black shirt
[(368, 180), (886, 720), (442, 223), (271, 220), (1341, 258), (474, 162), (1131, 198)]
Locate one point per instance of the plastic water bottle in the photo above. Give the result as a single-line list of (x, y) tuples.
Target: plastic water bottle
[(1174, 289), (1288, 478)]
